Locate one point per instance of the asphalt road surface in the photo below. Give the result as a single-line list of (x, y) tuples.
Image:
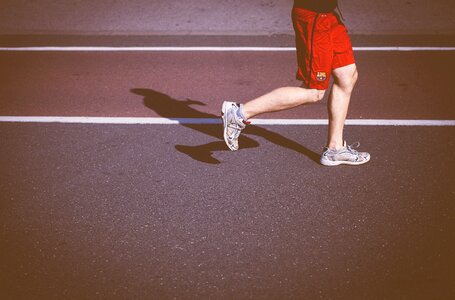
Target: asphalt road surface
[(115, 211)]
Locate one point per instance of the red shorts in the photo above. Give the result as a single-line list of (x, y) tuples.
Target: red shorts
[(322, 44)]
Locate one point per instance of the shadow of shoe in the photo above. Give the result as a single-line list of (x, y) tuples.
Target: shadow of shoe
[(201, 153)]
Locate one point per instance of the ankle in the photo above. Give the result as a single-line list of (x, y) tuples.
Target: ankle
[(241, 113), (335, 145)]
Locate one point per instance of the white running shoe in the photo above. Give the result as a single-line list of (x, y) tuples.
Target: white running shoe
[(232, 123), (346, 155)]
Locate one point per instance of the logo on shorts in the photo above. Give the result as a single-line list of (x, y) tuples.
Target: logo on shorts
[(321, 76)]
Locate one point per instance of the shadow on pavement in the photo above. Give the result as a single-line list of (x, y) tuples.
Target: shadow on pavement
[(171, 108)]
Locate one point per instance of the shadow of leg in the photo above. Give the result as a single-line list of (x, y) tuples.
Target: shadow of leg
[(282, 141), (169, 107)]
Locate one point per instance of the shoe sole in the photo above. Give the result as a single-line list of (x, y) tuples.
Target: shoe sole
[(330, 163), (223, 112)]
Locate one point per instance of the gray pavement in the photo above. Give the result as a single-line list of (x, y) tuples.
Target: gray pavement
[(116, 212), (205, 17), (101, 84), (167, 212)]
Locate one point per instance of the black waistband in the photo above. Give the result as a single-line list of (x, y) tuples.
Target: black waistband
[(320, 6)]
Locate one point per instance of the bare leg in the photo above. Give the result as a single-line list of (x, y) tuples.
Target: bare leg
[(281, 99), (340, 94)]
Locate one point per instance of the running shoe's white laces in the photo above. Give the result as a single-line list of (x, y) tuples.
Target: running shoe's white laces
[(351, 148), (236, 129)]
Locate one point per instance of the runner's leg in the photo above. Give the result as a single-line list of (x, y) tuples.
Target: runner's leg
[(340, 94), (281, 99)]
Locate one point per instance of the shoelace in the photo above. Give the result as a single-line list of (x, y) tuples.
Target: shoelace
[(237, 129), (351, 148)]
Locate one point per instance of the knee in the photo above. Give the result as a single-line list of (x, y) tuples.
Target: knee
[(350, 81), (355, 77), (346, 77)]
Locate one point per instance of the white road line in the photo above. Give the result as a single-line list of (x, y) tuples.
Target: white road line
[(207, 49), (174, 121), (403, 48)]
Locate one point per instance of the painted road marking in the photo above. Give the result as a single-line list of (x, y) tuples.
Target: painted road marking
[(208, 49), (174, 121)]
